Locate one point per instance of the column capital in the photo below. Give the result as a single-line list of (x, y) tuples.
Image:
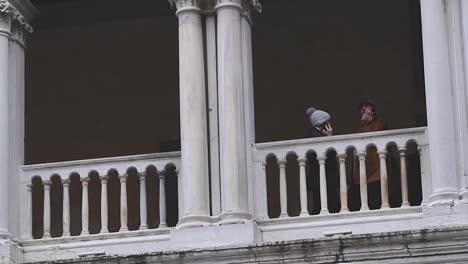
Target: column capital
[(342, 157), (123, 177), (47, 185), (362, 155), (402, 151), (282, 163), (186, 5), (302, 161), (382, 153), (29, 186), (66, 182), (10, 13), (85, 181), (104, 178), (142, 176), (321, 159)]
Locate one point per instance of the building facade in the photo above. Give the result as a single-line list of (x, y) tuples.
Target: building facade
[(214, 199)]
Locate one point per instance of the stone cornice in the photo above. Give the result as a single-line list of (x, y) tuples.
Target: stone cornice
[(9, 15)]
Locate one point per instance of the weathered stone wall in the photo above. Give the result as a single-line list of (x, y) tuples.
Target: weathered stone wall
[(448, 245)]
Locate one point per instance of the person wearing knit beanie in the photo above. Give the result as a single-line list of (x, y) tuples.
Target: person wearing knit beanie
[(320, 121)]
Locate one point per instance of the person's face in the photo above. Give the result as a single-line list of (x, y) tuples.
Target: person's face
[(366, 108)]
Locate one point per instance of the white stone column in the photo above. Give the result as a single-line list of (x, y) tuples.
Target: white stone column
[(232, 125), (212, 81), (323, 185), (384, 178), (248, 93), (363, 180), (143, 206), (162, 200), (104, 205), (193, 122), (66, 207), (5, 27), (283, 189), (404, 178), (85, 207), (464, 26), (46, 209), (28, 230), (303, 186), (439, 102), (123, 203), (343, 183)]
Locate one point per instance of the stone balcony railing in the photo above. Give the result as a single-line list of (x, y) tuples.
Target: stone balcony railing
[(284, 184), (299, 189), (58, 195)]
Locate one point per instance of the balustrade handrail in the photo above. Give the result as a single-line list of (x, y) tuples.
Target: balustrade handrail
[(102, 165), (340, 142)]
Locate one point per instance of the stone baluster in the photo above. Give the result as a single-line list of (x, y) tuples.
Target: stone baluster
[(323, 185), (28, 229), (46, 209), (66, 207), (104, 205), (162, 200), (363, 180), (303, 186), (404, 178), (143, 206), (123, 203), (343, 183), (85, 207), (283, 189), (383, 178)]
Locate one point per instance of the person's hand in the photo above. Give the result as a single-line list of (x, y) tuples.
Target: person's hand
[(328, 130), (368, 115)]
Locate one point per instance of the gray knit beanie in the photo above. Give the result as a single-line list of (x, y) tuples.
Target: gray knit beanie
[(317, 117)]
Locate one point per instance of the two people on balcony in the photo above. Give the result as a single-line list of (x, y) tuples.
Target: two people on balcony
[(369, 122)]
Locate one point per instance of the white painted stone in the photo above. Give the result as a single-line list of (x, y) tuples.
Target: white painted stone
[(439, 102), (193, 124), (216, 236), (234, 192)]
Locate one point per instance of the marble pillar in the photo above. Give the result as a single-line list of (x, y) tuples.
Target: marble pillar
[(439, 102), (234, 195), (194, 184)]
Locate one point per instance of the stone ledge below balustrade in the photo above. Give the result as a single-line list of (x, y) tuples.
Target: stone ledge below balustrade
[(444, 245)]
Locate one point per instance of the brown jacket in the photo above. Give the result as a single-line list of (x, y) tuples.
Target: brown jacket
[(372, 158)]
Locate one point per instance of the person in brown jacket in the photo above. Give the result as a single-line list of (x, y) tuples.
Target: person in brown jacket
[(370, 122)]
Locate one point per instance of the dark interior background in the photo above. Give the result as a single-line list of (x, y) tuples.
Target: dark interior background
[(102, 75)]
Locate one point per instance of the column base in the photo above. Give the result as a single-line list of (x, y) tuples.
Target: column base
[(454, 214), (464, 196), (304, 213), (194, 220), (444, 197), (234, 217), (217, 236)]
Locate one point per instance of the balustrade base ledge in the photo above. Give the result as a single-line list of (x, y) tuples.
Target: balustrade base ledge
[(434, 245)]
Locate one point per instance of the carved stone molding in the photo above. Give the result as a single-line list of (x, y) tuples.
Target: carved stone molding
[(10, 15), (180, 4)]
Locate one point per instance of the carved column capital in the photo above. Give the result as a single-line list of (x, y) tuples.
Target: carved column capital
[(186, 5), (8, 14)]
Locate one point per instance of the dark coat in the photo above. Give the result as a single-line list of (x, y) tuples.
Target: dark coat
[(314, 132)]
